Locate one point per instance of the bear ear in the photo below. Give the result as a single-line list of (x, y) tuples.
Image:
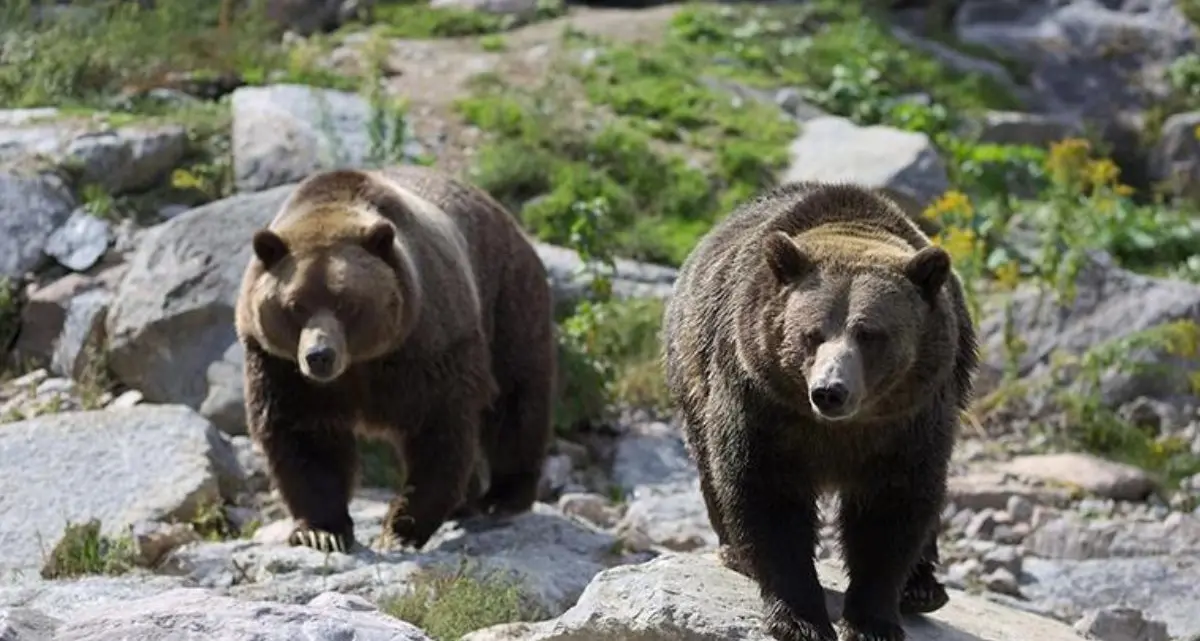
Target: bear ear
[(786, 260), (269, 248), (380, 239), (928, 269)]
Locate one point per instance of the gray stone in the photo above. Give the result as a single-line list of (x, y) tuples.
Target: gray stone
[(1111, 303), (206, 615), (82, 337), (283, 133), (835, 149), (1091, 59), (172, 315), (225, 403), (1175, 159), (80, 242), (1104, 478), (1165, 588), (693, 597), (1116, 623), (1017, 128), (306, 17), (32, 205), (23, 624), (119, 466)]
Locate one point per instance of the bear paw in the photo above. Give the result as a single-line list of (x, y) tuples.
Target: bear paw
[(872, 630), (785, 627), (923, 594), (320, 540)]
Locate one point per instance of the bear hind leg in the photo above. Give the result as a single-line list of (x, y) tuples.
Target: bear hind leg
[(519, 432), (440, 459)]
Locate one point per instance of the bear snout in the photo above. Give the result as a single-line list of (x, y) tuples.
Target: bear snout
[(835, 380), (320, 360)]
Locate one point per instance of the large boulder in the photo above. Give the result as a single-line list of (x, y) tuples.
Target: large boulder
[(834, 148), (120, 466), (693, 597)]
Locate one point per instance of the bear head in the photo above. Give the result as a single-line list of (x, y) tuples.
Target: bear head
[(861, 323), (329, 287)]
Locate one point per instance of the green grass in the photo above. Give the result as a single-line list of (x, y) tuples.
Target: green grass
[(83, 550), (448, 605), (408, 19)]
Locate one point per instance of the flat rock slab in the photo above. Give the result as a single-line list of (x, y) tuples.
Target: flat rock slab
[(693, 598), (193, 613), (1091, 473), (118, 465)]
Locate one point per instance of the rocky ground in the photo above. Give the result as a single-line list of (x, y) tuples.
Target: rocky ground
[(124, 405)]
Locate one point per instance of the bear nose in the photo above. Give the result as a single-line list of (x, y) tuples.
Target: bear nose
[(830, 398), (320, 360)]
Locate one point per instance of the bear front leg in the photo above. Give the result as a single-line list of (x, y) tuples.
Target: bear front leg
[(441, 459), (885, 525), (309, 447), (770, 517), (923, 593)]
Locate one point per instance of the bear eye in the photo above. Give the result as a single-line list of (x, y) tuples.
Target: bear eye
[(296, 308), (870, 336)]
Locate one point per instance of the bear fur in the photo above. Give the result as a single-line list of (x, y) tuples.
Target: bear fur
[(407, 306), (816, 341)]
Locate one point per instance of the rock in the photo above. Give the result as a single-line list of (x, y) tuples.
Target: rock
[(172, 313), (591, 507), (1004, 557), (23, 624), (982, 490), (834, 148), (80, 242), (1111, 303), (1019, 508), (64, 598), (1076, 537), (82, 339), (651, 463), (32, 205), (1095, 475), (1016, 128), (306, 17), (691, 597), (1116, 623), (1175, 159), (119, 160), (283, 133), (1165, 588), (551, 559), (1089, 59), (200, 613), (1003, 581), (153, 540), (225, 403), (631, 279), (44, 314), (118, 466), (515, 8), (556, 474), (982, 525)]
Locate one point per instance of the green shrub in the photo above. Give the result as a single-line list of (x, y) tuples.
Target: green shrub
[(84, 550), (448, 605)]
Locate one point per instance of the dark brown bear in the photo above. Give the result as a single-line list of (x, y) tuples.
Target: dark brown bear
[(404, 305), (816, 341)]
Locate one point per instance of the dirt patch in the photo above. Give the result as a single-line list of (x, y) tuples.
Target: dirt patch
[(430, 75)]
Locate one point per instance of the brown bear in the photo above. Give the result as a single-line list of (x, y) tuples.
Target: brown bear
[(405, 305), (816, 341)]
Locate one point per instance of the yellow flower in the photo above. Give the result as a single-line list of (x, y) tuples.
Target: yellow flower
[(958, 242), (1008, 275), (1196, 132), (1068, 160), (951, 202), (1102, 173)]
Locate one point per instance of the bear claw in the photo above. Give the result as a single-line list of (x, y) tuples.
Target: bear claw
[(875, 631), (923, 595), (788, 628), (319, 540)]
